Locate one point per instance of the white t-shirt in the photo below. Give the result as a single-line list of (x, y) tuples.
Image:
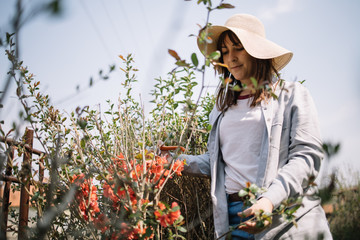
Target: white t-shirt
[(241, 132)]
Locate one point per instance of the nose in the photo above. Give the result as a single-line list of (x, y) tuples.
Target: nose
[(233, 56)]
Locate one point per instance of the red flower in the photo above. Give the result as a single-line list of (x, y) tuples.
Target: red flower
[(120, 164), (161, 206), (169, 218), (178, 167), (162, 218), (174, 214), (87, 206)]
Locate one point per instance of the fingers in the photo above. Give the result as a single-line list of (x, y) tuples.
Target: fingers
[(246, 213), (250, 227)]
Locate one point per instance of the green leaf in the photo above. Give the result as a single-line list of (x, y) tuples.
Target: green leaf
[(215, 55), (236, 88), (174, 54), (112, 68), (82, 143), (82, 123), (254, 82), (148, 232), (225, 5), (8, 37), (274, 95), (207, 62), (18, 91), (35, 196), (243, 193), (293, 209), (260, 224), (55, 7), (182, 63), (182, 229), (253, 188), (175, 208), (194, 59)]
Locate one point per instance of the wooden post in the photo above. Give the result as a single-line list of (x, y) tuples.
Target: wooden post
[(25, 186), (41, 173), (6, 195)]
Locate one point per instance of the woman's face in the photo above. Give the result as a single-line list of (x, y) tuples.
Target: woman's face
[(239, 62)]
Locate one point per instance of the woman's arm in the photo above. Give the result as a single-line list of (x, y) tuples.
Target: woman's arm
[(198, 165), (304, 149), (304, 157)]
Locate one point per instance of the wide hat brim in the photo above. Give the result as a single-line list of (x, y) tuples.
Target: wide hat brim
[(255, 44)]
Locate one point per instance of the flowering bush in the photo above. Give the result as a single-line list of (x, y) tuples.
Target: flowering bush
[(117, 196), (108, 179), (167, 216), (108, 166), (86, 198)]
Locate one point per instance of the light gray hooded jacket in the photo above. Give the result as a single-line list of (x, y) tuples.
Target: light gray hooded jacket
[(291, 153)]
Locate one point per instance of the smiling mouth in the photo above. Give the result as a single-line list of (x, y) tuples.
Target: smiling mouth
[(235, 67)]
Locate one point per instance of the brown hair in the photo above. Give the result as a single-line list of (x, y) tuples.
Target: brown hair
[(263, 72)]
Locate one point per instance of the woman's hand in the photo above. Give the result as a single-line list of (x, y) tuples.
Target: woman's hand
[(165, 151), (250, 226)]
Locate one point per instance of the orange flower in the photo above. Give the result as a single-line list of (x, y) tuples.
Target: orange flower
[(136, 173), (169, 218), (161, 206), (161, 182), (157, 169), (87, 206), (108, 192), (162, 218), (161, 160), (138, 233), (120, 194), (178, 167), (119, 162), (174, 214)]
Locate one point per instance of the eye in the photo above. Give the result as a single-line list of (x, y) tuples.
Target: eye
[(224, 50), (239, 49)]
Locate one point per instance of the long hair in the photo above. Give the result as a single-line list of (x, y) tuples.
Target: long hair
[(263, 71)]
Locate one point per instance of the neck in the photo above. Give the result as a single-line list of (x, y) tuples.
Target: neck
[(246, 91), (249, 88)]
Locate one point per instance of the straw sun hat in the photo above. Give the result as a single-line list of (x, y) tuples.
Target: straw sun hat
[(251, 33)]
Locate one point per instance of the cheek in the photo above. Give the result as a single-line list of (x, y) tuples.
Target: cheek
[(250, 64), (225, 59)]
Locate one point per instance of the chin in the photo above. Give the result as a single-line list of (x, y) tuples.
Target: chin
[(239, 78)]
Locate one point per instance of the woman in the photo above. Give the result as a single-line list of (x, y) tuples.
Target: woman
[(273, 142)]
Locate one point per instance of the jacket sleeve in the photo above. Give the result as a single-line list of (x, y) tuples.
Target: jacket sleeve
[(197, 165), (304, 149)]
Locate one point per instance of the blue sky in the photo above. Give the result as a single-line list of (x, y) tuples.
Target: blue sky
[(64, 52)]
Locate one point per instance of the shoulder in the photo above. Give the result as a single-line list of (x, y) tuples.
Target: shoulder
[(291, 90), (293, 86), (214, 115)]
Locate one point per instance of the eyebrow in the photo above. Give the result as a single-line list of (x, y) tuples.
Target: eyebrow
[(234, 45)]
